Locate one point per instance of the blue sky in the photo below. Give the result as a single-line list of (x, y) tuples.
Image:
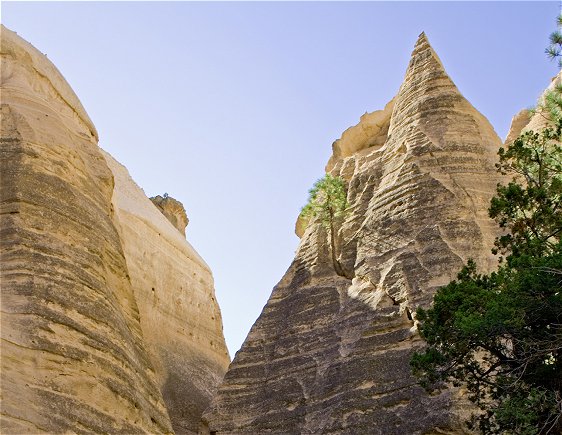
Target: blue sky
[(232, 107)]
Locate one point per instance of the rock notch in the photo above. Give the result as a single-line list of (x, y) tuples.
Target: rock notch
[(331, 355)]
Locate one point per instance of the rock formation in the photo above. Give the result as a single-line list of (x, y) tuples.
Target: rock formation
[(91, 333), (72, 352), (179, 316), (526, 120), (173, 210), (331, 355), (518, 123)]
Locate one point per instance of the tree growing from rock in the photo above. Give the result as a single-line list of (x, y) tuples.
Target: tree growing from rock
[(500, 335), (328, 202)]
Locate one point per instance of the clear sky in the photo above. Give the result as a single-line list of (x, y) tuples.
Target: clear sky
[(232, 107)]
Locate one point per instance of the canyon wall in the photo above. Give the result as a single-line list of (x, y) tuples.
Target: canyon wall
[(179, 316), (330, 353), (102, 332)]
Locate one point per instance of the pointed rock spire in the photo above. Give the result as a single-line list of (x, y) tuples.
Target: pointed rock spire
[(422, 41), (426, 81), (423, 51), (428, 96), (330, 355)]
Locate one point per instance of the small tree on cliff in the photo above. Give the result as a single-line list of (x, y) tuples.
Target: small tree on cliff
[(328, 201), (500, 335)]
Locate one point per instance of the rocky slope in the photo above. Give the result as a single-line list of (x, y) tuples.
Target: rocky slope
[(86, 346), (330, 354)]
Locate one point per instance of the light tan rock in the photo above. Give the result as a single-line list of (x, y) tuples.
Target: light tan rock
[(518, 123), (330, 354), (540, 119), (173, 210), (109, 320), (72, 357), (300, 225), (370, 132), (179, 315), (536, 120)]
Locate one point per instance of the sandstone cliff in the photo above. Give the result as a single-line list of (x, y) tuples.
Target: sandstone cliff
[(179, 316), (96, 338), (331, 355), (73, 357)]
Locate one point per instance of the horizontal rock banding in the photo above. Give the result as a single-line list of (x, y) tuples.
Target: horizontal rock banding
[(72, 358), (329, 354)]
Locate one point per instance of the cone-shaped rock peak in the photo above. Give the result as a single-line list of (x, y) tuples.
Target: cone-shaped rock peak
[(422, 51), (428, 97)]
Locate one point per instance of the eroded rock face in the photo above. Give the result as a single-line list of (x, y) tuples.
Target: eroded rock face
[(331, 355), (179, 315), (527, 120), (173, 210), (518, 123), (109, 321), (73, 359), (372, 131), (540, 120)]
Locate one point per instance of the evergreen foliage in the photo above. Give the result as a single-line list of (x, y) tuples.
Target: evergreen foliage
[(529, 206), (328, 202), (551, 106), (500, 335), (554, 50)]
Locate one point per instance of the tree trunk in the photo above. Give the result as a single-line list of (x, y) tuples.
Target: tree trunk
[(337, 266)]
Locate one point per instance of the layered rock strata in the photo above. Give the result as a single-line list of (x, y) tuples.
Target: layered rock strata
[(73, 357), (330, 354), (109, 322), (179, 315)]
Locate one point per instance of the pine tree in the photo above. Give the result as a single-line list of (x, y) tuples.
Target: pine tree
[(328, 202)]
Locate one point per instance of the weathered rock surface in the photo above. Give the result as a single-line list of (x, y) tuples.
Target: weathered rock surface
[(331, 355), (109, 322), (371, 131), (173, 210), (73, 358), (518, 123), (179, 316), (536, 120), (540, 119)]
